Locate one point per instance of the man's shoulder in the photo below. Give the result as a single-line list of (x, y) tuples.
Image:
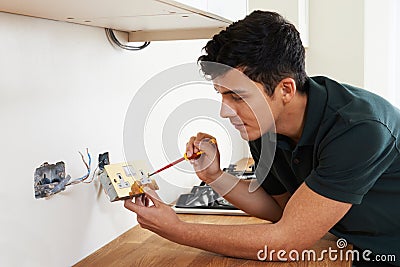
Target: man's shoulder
[(352, 109), (354, 104)]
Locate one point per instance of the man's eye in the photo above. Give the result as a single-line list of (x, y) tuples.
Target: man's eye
[(236, 97)]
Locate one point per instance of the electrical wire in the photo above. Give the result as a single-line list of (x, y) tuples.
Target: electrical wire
[(111, 37), (91, 179), (87, 165)]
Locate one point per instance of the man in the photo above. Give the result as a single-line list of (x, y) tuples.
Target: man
[(337, 162)]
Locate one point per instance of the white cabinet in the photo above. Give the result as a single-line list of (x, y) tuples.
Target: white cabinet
[(145, 20), (296, 11), (231, 9)]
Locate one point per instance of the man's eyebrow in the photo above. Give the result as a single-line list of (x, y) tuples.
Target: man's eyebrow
[(231, 91)]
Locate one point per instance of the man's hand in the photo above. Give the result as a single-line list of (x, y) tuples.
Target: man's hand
[(233, 189), (158, 218), (307, 217), (207, 167)]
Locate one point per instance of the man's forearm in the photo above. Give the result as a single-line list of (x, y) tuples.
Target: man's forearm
[(241, 241), (257, 203)]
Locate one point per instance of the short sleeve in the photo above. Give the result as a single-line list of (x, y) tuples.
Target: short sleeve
[(351, 161)]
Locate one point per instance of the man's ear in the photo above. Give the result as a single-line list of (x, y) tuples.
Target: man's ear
[(287, 89)]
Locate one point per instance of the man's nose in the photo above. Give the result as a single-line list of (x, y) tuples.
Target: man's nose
[(226, 111)]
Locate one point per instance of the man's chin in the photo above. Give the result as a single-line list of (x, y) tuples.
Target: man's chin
[(249, 136)]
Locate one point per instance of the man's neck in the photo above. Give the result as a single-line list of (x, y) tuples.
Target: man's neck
[(291, 121)]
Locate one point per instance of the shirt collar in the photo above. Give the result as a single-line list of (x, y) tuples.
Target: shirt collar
[(315, 109)]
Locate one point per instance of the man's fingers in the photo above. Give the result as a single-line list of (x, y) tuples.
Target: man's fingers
[(190, 146), (146, 200), (201, 136), (128, 204), (152, 195), (207, 145), (139, 200)]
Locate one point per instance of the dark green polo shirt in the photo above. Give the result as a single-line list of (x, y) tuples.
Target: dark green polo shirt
[(349, 152)]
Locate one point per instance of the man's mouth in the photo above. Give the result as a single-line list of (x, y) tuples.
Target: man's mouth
[(238, 125)]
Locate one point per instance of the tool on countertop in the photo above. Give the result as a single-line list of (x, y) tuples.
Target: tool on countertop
[(185, 157)]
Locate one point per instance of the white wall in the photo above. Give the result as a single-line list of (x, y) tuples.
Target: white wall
[(336, 40), (295, 11), (356, 42), (382, 56), (63, 88)]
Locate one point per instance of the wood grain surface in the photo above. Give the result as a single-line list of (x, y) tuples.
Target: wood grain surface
[(140, 247)]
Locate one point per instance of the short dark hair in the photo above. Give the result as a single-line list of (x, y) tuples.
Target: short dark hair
[(265, 46)]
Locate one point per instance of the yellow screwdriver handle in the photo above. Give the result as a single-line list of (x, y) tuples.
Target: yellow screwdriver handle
[(197, 155)]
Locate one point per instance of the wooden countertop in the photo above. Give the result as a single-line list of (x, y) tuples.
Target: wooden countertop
[(140, 247)]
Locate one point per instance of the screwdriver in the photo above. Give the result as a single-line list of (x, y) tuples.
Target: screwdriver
[(185, 157)]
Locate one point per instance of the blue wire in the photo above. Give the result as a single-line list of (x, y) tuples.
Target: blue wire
[(88, 173)]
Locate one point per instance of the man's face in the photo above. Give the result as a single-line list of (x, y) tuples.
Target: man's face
[(246, 104)]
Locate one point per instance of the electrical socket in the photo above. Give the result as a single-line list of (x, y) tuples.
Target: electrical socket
[(126, 180)]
